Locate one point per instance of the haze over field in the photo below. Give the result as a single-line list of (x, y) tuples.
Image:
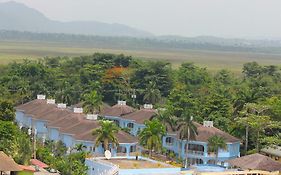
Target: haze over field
[(231, 18), (148, 30)]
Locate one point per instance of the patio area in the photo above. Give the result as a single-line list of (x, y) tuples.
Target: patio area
[(138, 164)]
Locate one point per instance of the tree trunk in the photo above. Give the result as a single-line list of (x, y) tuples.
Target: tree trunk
[(246, 139), (186, 151), (257, 146), (105, 143), (217, 156)]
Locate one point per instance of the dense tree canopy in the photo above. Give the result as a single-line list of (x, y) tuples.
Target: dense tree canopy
[(186, 90)]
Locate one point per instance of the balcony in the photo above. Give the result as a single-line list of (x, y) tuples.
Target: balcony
[(193, 152)]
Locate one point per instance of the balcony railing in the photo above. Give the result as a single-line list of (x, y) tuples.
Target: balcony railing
[(201, 153)]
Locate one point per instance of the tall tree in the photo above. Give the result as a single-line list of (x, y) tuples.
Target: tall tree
[(215, 143), (92, 102), (106, 134), (187, 130), (7, 111), (152, 94), (151, 136)]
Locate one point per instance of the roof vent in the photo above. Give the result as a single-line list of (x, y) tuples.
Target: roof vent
[(121, 103), (51, 101), (208, 124), (92, 117), (41, 97), (61, 105), (148, 106), (78, 110)]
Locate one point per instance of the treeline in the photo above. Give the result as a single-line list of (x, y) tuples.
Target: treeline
[(238, 105), (153, 43)]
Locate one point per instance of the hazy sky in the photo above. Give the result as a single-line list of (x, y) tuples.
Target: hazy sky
[(226, 18)]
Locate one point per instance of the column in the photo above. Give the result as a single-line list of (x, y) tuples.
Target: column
[(128, 150), (114, 152), (205, 150), (183, 149)]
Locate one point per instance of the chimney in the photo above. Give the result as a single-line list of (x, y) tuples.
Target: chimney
[(92, 117), (51, 101), (41, 97), (121, 102), (148, 106), (61, 105), (208, 124), (78, 110)]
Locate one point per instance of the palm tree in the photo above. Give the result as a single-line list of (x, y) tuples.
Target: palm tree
[(167, 118), (151, 136), (152, 93), (92, 102), (106, 134), (79, 147), (215, 143), (187, 130)]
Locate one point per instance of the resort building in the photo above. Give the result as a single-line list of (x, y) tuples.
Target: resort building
[(127, 117), (198, 152), (52, 121), (58, 122)]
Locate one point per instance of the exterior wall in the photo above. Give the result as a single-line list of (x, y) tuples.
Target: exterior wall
[(123, 123), (68, 140), (41, 127), (178, 147), (54, 134), (98, 167), (19, 117)]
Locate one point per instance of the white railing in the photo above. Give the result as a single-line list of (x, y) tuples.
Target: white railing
[(201, 153)]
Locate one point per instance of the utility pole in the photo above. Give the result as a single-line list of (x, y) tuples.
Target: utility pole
[(32, 132), (134, 96)]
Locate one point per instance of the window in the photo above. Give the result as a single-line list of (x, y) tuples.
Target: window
[(169, 140), (130, 125)]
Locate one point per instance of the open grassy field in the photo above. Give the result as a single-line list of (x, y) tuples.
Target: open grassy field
[(213, 60)]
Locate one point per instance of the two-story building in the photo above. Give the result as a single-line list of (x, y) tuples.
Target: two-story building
[(57, 122), (198, 152), (127, 117)]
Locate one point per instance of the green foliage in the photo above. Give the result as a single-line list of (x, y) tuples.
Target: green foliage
[(215, 143), (151, 136), (8, 135), (152, 95), (7, 111), (92, 102), (106, 134), (72, 163), (14, 142)]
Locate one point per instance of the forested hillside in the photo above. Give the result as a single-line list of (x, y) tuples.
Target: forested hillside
[(251, 101)]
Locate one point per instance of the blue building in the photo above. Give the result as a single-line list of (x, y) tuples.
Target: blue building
[(198, 152), (56, 122), (127, 117)]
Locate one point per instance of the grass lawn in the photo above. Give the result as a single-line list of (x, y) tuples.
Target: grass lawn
[(213, 60), (137, 164)]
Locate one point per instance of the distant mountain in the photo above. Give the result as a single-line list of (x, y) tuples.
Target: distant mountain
[(17, 16)]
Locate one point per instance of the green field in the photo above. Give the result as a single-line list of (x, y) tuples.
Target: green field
[(213, 60)]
